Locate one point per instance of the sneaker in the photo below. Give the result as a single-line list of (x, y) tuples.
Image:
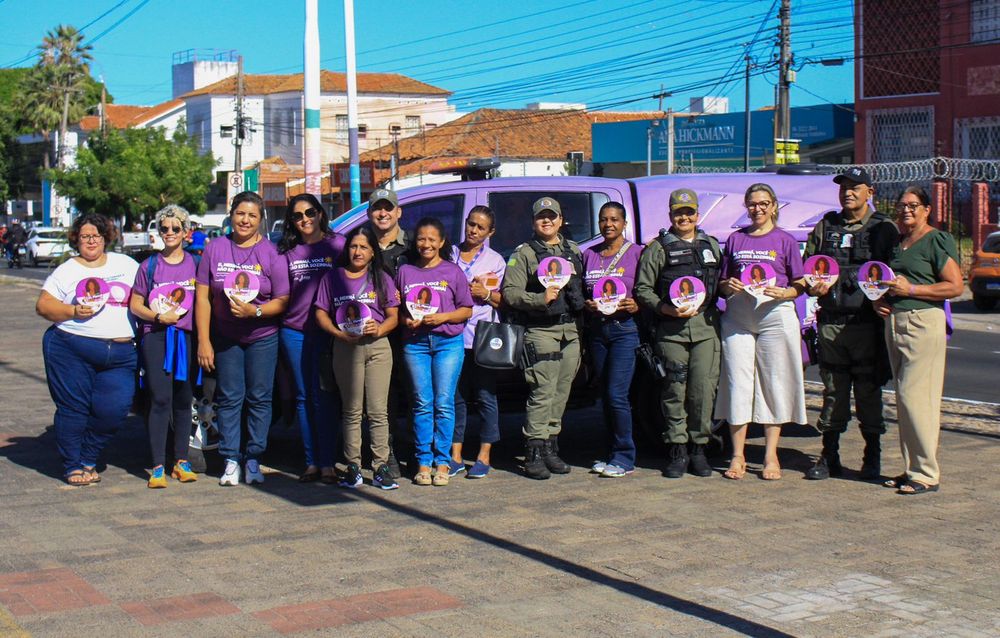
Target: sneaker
[(183, 472), (232, 474), (613, 471), (253, 473), (158, 478), (598, 467), (352, 477), (455, 468), (441, 476), (382, 478), (478, 470)]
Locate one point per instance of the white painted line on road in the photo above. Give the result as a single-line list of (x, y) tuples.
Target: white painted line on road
[(954, 348), (955, 399)]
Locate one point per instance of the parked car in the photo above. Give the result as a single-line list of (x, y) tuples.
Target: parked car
[(45, 244), (984, 278), (155, 241)]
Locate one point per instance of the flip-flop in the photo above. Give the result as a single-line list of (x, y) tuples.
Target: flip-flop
[(80, 474), (309, 477), (771, 473), (91, 473), (916, 487), (734, 474)]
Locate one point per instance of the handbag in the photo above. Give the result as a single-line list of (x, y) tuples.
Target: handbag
[(498, 345)]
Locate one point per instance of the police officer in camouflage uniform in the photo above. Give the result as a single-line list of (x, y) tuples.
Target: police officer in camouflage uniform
[(851, 344), (551, 340), (686, 339)]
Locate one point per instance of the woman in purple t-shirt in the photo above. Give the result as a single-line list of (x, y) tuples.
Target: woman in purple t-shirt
[(613, 338), (310, 249), (238, 332), (761, 379), (163, 303), (432, 345), (357, 304)]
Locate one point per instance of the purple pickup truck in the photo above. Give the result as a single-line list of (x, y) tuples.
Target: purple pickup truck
[(804, 199)]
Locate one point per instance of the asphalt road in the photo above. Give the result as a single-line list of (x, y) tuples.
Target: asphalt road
[(973, 351)]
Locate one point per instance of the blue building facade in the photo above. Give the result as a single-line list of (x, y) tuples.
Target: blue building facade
[(719, 138)]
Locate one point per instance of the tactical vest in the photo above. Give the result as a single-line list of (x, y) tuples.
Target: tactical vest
[(850, 249), (570, 299), (687, 259)]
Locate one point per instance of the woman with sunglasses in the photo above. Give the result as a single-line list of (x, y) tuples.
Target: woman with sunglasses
[(167, 349), (310, 249), (239, 338), (89, 351), (761, 380)]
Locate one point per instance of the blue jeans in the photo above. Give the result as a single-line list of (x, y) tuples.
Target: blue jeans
[(91, 382), (245, 373), (434, 362), (612, 346), (478, 386), (317, 410)]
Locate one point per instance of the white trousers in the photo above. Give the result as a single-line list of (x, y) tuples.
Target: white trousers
[(761, 378)]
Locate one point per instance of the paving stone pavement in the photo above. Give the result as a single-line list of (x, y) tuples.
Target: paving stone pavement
[(573, 556)]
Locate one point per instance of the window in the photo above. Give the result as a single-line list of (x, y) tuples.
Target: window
[(291, 125), (450, 209), (340, 129), (977, 137), (984, 17), (992, 244), (514, 218), (900, 135), (412, 124), (362, 131)]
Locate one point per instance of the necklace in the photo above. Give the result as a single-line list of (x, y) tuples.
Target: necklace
[(232, 252)]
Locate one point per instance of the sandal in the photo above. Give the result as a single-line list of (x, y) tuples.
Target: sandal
[(771, 473), (441, 476), (91, 474), (77, 478), (311, 475), (896, 482), (736, 469), (423, 477), (916, 487), (328, 476)]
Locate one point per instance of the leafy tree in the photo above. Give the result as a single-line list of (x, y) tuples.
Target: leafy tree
[(135, 172)]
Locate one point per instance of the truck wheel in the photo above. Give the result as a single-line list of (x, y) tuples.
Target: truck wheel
[(984, 303)]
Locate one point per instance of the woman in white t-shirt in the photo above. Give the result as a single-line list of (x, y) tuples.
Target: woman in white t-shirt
[(89, 352)]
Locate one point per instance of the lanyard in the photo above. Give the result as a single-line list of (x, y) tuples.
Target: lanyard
[(618, 257), (457, 253)]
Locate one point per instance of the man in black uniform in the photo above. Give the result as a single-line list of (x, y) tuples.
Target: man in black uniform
[(851, 342)]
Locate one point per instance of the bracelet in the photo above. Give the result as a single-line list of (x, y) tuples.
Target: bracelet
[(913, 290), (156, 319)]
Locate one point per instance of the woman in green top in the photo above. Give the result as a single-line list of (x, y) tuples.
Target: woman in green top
[(927, 274)]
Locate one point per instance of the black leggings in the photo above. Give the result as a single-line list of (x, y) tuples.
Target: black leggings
[(167, 397)]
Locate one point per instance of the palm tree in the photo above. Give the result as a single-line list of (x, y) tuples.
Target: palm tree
[(66, 60)]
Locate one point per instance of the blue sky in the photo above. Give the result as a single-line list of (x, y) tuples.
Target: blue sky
[(609, 55)]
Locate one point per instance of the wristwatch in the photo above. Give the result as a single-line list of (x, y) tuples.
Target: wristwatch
[(258, 313)]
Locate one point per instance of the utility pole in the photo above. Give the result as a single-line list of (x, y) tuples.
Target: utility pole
[(746, 121), (785, 73), (240, 129), (104, 107), (352, 103), (311, 101), (670, 141)]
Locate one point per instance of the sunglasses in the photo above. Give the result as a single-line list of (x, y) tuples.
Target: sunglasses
[(298, 216), (166, 230)]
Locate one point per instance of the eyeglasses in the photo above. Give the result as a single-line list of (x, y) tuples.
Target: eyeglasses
[(756, 205), (298, 216), (166, 230), (91, 238), (908, 207)]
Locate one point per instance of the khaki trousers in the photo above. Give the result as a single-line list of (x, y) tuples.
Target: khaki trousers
[(916, 343), (550, 381), (363, 373)]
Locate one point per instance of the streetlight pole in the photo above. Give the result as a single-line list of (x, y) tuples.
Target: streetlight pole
[(746, 121)]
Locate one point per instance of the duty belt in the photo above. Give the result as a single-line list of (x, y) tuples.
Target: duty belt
[(545, 322), (843, 318)]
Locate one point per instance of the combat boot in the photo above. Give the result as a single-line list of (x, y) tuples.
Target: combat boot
[(828, 463), (534, 464), (697, 462), (677, 461), (550, 454), (871, 462)]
